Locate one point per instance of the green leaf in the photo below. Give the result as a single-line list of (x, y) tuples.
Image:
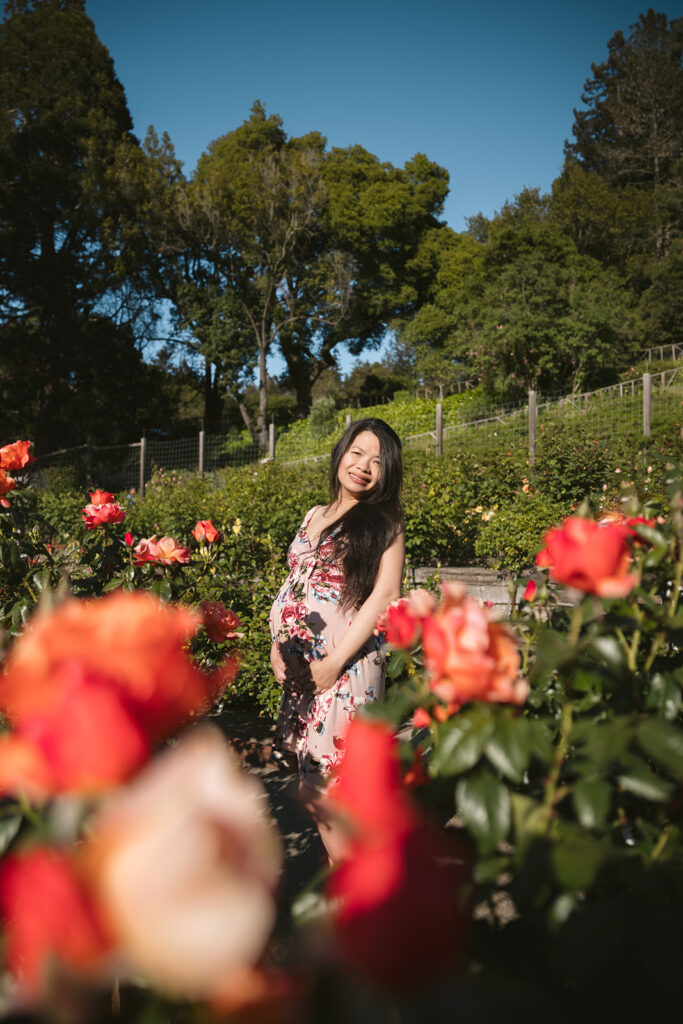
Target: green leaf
[(509, 749), (8, 829), (609, 650), (113, 585), (530, 818), (162, 588), (644, 783), (484, 803), (664, 696), (576, 860), (552, 648), (591, 800), (460, 741), (663, 742), (42, 580)]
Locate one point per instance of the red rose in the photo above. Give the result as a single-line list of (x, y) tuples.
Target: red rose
[(589, 556), (7, 484), (101, 497), (530, 591), (49, 917), (398, 871), (15, 456), (401, 627), (98, 515), (205, 532), (220, 622)]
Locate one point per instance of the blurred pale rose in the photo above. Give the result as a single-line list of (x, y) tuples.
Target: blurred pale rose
[(184, 862)]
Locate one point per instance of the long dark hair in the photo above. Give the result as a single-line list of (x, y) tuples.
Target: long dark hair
[(368, 528)]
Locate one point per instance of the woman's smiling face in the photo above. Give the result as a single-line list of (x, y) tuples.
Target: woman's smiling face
[(360, 465)]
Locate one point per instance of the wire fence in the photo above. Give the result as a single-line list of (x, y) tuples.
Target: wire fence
[(631, 408)]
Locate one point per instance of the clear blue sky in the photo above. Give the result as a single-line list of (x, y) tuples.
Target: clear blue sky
[(486, 89)]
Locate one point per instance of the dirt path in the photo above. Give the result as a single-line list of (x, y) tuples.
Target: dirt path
[(251, 737)]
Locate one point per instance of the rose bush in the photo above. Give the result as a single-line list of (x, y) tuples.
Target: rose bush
[(550, 746)]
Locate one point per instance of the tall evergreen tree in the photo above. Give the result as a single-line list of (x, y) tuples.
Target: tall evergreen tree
[(631, 130), (62, 115)]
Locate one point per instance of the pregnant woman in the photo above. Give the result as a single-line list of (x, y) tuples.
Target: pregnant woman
[(346, 565)]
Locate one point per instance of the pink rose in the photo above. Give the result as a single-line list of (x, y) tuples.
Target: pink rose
[(184, 863)]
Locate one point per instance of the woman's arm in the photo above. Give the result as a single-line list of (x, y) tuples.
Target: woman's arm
[(387, 588)]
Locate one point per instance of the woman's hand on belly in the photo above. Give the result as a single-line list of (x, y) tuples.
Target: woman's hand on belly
[(324, 673)]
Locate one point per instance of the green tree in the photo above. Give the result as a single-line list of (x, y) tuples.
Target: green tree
[(631, 130), (63, 114)]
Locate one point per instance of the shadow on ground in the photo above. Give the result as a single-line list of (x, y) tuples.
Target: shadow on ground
[(251, 736)]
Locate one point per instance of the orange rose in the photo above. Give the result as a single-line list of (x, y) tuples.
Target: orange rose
[(7, 484), (184, 862), (220, 622), (98, 515), (589, 556), (467, 656), (49, 918), (205, 532), (15, 456), (93, 686)]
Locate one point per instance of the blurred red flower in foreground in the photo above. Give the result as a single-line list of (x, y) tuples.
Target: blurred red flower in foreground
[(15, 456), (590, 556), (91, 687), (205, 531), (7, 484), (184, 862), (220, 622), (399, 873), (49, 919)]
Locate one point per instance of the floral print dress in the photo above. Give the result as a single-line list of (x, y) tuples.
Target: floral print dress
[(306, 622)]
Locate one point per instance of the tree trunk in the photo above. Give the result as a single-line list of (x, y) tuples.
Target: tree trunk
[(262, 422)]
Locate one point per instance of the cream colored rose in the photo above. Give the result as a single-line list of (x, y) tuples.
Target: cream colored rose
[(185, 862)]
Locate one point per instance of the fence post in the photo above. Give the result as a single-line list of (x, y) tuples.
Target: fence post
[(647, 403), (271, 439), (201, 452), (533, 422), (348, 419), (143, 459), (439, 428)]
